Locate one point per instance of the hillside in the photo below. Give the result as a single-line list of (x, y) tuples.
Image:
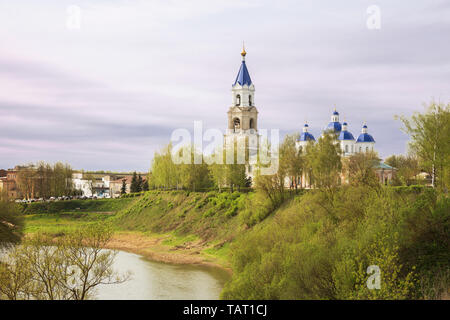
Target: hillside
[(314, 246)]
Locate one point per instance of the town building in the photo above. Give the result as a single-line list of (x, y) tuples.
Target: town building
[(8, 184)]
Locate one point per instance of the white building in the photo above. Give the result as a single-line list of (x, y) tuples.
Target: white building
[(97, 186)]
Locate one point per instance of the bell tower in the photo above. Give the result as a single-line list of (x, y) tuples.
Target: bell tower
[(243, 115)]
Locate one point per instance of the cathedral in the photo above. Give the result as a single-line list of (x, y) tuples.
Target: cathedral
[(243, 126), (243, 119)]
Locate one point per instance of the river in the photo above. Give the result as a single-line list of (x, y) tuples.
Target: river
[(157, 281)]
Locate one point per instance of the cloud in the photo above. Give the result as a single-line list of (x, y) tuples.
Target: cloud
[(106, 96)]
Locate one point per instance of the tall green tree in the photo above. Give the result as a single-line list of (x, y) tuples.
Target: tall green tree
[(291, 160), (140, 184), (359, 168), (134, 183), (123, 190), (324, 161), (145, 186), (429, 133), (165, 173)]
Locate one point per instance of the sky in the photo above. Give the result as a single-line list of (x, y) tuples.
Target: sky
[(105, 91)]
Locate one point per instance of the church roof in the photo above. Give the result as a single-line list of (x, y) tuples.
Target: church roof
[(335, 126), (382, 165), (365, 137), (346, 135), (306, 136), (243, 77)]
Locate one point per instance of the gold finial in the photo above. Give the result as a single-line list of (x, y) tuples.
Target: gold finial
[(243, 53)]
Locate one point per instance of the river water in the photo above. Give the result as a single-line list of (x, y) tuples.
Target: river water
[(156, 281)]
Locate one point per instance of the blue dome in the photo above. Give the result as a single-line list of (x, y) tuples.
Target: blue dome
[(306, 136), (243, 76), (335, 126), (336, 113), (365, 137), (346, 135)]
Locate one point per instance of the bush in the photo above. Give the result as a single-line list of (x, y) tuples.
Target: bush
[(319, 245)]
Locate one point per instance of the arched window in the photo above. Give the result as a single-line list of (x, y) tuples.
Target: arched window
[(252, 123), (367, 149), (238, 100), (346, 149), (237, 123), (250, 100), (352, 148), (360, 149)]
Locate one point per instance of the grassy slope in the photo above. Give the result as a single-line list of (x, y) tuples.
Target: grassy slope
[(197, 223)]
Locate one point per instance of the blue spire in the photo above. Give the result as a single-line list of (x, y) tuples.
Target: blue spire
[(243, 77)]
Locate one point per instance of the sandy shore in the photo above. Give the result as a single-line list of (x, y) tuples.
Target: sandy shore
[(152, 247)]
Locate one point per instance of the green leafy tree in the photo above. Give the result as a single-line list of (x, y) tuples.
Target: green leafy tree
[(165, 174), (145, 186), (359, 168), (123, 190), (291, 160), (407, 168), (11, 223), (429, 133), (324, 161), (68, 268), (134, 183), (140, 184)]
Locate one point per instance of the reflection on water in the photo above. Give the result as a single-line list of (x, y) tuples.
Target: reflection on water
[(156, 281)]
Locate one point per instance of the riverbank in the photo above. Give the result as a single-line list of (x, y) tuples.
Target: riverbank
[(175, 227), (156, 248)]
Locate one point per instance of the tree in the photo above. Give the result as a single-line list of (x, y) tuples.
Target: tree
[(194, 176), (359, 169), (165, 174), (134, 183), (291, 160), (429, 133), (140, 184), (145, 186), (11, 223), (407, 168), (271, 186), (123, 190), (68, 268), (324, 161), (218, 174)]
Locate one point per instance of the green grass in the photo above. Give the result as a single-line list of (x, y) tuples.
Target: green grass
[(57, 223), (101, 205), (181, 218)]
